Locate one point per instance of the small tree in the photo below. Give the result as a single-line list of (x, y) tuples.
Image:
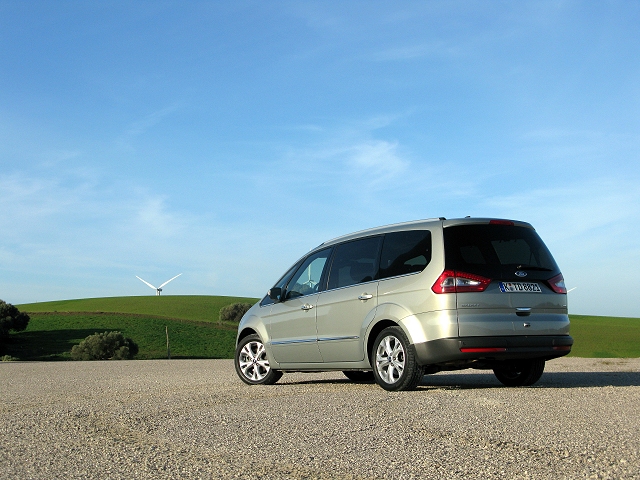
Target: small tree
[(105, 346), (11, 319), (234, 312)]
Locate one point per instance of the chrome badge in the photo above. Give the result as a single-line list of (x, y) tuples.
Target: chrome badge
[(520, 273)]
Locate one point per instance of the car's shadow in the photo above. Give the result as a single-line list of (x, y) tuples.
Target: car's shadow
[(548, 380), (488, 380)]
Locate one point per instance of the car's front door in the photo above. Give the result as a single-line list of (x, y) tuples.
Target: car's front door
[(292, 321)]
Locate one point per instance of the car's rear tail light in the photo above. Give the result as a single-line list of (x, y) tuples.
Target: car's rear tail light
[(483, 350), (557, 284), (446, 282), (501, 222), (451, 281), (562, 347)]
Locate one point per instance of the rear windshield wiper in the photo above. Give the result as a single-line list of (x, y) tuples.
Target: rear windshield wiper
[(531, 267)]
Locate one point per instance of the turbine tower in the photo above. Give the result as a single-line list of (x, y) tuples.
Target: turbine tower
[(158, 289)]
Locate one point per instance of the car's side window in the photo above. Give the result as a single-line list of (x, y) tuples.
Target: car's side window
[(405, 252), (307, 278), (354, 262)]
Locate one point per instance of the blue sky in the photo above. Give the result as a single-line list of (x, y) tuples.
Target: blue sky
[(223, 140)]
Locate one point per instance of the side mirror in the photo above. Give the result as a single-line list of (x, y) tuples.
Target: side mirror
[(275, 293)]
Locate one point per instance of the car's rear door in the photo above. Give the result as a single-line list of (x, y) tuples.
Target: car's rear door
[(349, 300), (520, 298)]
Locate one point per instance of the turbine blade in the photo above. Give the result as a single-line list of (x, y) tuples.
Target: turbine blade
[(169, 280), (146, 282)]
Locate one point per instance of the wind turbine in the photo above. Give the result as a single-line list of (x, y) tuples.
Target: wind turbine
[(158, 289)]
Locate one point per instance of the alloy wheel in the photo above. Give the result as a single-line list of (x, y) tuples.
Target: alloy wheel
[(390, 359), (253, 361)]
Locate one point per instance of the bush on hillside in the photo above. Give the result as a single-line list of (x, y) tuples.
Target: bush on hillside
[(105, 346), (11, 319), (234, 312)]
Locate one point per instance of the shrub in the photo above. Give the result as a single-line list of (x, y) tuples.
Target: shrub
[(8, 358), (105, 346), (11, 319), (234, 312)]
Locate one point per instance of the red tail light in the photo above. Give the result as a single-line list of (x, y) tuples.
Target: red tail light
[(557, 284), (483, 350), (457, 282), (501, 222)]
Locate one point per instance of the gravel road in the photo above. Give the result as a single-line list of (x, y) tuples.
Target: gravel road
[(195, 419)]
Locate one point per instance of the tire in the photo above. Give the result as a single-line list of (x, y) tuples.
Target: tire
[(394, 363), (359, 376), (252, 365), (520, 374)]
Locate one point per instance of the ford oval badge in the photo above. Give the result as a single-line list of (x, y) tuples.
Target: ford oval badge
[(520, 273)]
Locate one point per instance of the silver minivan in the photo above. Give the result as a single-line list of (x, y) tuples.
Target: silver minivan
[(394, 303)]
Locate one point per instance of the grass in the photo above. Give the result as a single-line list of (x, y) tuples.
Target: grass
[(605, 337), (50, 336), (200, 308), (192, 322), (194, 331)]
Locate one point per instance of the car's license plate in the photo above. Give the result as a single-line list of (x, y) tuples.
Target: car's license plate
[(520, 287)]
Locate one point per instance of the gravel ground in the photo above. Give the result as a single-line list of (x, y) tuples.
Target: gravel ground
[(195, 419)]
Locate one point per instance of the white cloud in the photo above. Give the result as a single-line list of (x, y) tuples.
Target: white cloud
[(574, 209), (73, 239), (27, 201), (417, 51), (377, 161), (348, 155), (149, 121), (154, 218), (141, 126)]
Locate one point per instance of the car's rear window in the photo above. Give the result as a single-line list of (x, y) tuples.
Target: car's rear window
[(405, 252), (354, 262), (491, 249)]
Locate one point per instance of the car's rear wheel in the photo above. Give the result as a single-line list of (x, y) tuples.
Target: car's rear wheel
[(252, 365), (394, 361), (359, 375), (520, 374)]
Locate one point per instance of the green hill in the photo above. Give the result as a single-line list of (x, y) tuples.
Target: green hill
[(194, 330), (191, 321), (202, 308), (605, 337)]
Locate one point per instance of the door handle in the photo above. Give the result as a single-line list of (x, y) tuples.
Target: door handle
[(365, 296), (306, 306)]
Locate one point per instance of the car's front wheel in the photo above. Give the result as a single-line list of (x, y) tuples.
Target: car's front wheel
[(252, 365), (520, 374), (394, 361)]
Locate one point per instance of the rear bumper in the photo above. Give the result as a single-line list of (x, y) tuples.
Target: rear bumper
[(491, 349)]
